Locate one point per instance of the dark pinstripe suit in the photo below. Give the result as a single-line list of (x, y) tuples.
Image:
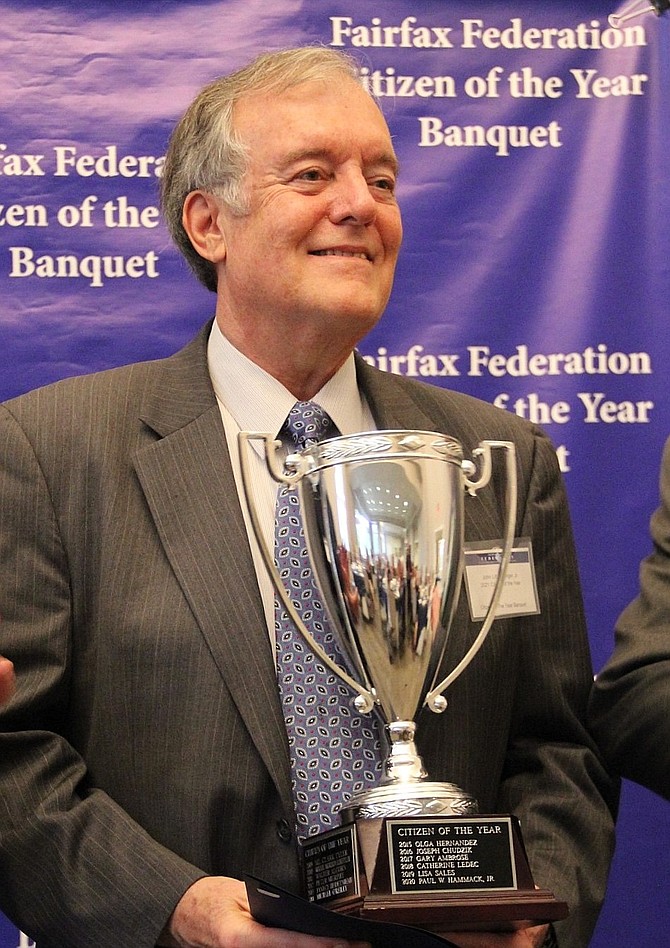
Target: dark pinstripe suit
[(147, 745)]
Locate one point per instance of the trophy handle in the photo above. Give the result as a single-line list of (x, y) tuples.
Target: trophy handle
[(435, 700), (366, 698)]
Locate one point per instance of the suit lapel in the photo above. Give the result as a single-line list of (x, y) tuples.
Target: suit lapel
[(189, 486), (389, 402)]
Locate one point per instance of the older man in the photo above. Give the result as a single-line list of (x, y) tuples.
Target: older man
[(148, 755)]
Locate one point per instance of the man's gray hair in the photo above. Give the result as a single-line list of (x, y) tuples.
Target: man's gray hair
[(205, 151)]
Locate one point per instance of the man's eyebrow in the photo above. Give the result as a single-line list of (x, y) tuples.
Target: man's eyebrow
[(305, 154), (385, 159)]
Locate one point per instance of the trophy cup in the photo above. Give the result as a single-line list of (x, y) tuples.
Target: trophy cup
[(383, 514)]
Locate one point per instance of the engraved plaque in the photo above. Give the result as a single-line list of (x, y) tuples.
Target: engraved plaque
[(446, 855)]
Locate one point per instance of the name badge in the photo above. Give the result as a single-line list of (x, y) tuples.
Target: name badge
[(482, 565)]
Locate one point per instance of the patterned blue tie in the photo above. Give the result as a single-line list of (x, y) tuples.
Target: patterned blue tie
[(335, 751)]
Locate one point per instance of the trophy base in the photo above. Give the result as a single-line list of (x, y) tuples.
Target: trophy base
[(466, 913), (440, 873)]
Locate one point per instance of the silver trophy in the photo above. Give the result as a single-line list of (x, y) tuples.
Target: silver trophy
[(383, 517), (383, 514)]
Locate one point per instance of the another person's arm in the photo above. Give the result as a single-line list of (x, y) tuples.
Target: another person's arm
[(629, 710)]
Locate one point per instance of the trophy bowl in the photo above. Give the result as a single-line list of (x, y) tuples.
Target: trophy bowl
[(383, 515)]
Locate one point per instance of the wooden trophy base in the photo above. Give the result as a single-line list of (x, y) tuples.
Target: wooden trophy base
[(442, 874)]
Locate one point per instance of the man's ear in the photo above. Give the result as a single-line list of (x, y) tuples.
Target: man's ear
[(202, 220)]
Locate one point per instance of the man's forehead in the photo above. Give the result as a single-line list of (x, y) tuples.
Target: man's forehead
[(311, 96), (275, 120)]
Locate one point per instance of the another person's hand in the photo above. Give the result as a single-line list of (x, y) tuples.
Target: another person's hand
[(524, 938), (214, 913), (7, 680)]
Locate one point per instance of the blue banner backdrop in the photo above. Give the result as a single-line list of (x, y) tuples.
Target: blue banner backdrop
[(533, 138)]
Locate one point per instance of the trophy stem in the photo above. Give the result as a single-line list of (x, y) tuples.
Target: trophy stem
[(403, 765), (404, 790)]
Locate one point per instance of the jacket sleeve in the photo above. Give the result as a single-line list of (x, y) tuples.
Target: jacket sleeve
[(629, 711), (76, 869)]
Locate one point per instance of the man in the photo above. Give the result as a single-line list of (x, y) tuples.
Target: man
[(148, 756), (7, 680), (629, 710)]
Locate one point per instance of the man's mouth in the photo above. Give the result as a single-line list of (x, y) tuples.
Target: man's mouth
[(341, 253)]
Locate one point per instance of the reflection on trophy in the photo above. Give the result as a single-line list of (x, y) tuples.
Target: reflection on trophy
[(383, 514)]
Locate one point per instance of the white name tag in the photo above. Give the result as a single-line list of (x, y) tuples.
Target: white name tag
[(482, 564)]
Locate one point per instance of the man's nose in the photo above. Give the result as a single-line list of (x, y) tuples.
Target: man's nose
[(352, 200)]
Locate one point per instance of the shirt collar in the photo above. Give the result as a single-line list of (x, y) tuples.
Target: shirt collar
[(258, 402)]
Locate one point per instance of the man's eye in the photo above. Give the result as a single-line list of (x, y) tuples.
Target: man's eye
[(384, 184), (312, 174)]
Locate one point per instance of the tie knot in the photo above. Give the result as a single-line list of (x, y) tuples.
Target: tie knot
[(307, 422)]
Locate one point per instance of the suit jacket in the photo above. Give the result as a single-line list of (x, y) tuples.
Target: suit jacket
[(146, 746), (629, 709)]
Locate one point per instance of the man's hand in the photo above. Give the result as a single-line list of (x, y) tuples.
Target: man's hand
[(214, 913), (524, 938), (7, 680)]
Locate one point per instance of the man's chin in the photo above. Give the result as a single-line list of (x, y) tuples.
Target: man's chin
[(356, 305), (352, 319)]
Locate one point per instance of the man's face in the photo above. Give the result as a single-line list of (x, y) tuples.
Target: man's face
[(321, 238)]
